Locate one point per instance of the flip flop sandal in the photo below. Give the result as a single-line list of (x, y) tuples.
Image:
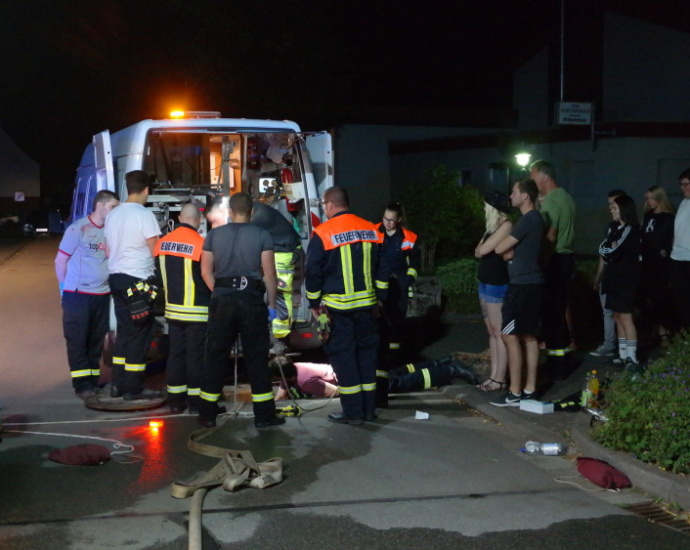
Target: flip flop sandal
[(489, 385)]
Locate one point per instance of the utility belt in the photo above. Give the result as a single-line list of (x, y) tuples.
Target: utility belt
[(241, 283)]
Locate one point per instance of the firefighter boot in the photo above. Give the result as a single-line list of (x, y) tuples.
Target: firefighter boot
[(458, 369)]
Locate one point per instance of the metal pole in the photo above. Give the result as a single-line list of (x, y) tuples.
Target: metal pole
[(562, 49)]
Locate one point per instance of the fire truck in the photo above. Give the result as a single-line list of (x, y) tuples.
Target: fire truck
[(199, 156)]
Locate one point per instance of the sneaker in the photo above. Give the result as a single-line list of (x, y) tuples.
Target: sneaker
[(507, 400), (528, 394), (602, 351), (618, 361)]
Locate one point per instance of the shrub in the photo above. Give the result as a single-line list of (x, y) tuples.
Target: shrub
[(648, 414), (459, 283)]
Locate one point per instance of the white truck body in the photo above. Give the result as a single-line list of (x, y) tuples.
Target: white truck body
[(206, 157)]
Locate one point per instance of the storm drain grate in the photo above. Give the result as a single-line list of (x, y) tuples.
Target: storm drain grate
[(658, 514)]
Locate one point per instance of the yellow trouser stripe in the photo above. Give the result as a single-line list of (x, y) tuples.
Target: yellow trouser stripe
[(193, 391), (261, 397), (410, 367), (177, 389), (135, 367), (427, 378), (393, 345), (80, 373), (556, 352), (212, 397), (350, 390), (118, 360), (382, 374), (369, 387)]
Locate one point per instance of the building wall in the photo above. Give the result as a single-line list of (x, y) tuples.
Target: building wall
[(646, 74), (531, 94), (362, 161), (17, 173)]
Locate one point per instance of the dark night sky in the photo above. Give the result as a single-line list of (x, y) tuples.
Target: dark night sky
[(72, 68)]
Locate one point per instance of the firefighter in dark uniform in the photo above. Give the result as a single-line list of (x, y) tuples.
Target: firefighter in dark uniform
[(233, 259), (288, 254), (342, 274), (178, 258), (402, 256)]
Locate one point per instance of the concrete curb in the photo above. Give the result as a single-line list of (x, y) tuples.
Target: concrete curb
[(670, 487)]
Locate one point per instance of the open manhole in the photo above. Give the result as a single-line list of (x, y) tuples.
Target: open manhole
[(658, 514)]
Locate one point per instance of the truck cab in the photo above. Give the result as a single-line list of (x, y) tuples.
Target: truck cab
[(200, 156)]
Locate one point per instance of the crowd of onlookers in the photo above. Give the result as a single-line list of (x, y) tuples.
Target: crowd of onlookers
[(526, 268)]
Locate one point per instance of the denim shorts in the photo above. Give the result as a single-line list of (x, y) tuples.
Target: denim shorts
[(492, 294)]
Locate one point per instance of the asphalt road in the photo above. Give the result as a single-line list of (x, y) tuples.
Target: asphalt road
[(456, 480)]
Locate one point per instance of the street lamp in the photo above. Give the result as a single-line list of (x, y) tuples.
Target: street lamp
[(523, 159)]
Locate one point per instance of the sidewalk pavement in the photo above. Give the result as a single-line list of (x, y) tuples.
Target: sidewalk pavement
[(467, 334)]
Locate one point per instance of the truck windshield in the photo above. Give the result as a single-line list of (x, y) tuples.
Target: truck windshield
[(230, 161)]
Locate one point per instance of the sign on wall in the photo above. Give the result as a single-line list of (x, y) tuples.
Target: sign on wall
[(574, 113)]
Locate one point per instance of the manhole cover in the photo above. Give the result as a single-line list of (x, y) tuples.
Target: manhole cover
[(103, 402)]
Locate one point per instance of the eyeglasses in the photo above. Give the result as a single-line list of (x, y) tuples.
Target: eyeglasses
[(390, 220)]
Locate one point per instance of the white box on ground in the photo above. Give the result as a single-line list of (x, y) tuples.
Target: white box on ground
[(539, 407)]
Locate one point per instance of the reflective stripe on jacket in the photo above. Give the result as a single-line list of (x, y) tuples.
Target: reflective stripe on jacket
[(400, 251)]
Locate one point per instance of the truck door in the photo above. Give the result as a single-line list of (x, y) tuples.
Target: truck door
[(93, 174), (320, 163), (105, 175)]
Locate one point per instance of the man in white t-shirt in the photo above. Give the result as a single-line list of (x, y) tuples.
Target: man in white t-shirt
[(680, 254), (131, 233)]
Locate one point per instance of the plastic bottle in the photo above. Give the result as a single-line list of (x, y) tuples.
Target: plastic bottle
[(593, 387), (548, 449), (586, 397)]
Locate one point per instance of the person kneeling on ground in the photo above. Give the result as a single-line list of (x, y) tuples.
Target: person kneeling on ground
[(319, 380)]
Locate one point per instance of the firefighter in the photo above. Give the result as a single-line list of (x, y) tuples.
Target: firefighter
[(233, 259), (178, 257), (342, 273), (288, 254), (319, 380), (399, 252)]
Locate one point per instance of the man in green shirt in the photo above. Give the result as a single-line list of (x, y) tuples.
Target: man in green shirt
[(558, 211)]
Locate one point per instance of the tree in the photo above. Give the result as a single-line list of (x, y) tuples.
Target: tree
[(447, 217)]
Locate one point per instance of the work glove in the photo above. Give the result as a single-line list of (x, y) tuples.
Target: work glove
[(324, 325), (271, 314), (141, 298)]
